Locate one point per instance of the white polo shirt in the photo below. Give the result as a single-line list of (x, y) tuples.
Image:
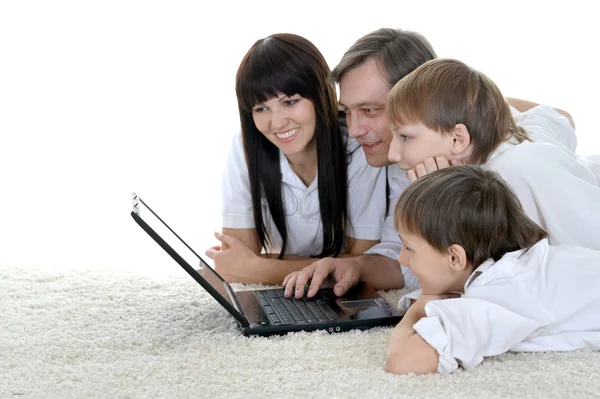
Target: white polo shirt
[(366, 201), (390, 244), (546, 299)]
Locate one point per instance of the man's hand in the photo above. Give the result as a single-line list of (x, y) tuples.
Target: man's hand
[(235, 262), (345, 271), (430, 165)]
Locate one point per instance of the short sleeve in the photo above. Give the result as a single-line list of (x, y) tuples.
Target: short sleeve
[(465, 330), (366, 197), (237, 200)]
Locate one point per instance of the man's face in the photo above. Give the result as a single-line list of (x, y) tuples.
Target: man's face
[(363, 95)]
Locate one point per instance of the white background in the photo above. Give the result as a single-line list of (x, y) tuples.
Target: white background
[(99, 99)]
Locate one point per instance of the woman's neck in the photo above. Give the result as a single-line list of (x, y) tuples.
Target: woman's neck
[(305, 163)]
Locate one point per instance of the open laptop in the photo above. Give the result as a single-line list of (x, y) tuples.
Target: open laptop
[(266, 312)]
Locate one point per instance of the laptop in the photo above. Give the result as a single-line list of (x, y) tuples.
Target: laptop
[(266, 312)]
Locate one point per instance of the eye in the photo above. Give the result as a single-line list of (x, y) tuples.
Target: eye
[(404, 138), (291, 101), (259, 109)]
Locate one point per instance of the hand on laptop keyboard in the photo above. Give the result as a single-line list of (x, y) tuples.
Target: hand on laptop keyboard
[(345, 273)]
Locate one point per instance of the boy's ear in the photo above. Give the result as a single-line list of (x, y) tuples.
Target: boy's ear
[(457, 258), (461, 139)]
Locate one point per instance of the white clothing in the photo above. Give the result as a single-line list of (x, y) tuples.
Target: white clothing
[(545, 125), (390, 244), (545, 299), (366, 201), (557, 191)]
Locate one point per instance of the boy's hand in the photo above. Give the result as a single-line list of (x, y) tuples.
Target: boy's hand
[(430, 165)]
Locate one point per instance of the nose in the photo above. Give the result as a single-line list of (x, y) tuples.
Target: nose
[(356, 125), (394, 154), (403, 258), (279, 119)]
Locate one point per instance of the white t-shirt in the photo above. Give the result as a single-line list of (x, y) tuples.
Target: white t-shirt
[(366, 201), (556, 189), (545, 299)]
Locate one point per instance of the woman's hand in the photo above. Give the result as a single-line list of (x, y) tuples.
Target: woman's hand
[(236, 262)]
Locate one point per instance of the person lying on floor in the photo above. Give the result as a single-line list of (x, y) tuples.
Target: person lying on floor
[(491, 282)]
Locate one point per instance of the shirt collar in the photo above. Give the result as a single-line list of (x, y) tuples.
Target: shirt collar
[(482, 268)]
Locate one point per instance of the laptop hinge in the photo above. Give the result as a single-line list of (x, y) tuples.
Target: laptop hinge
[(235, 302)]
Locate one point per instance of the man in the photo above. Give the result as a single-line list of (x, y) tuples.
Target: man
[(366, 74)]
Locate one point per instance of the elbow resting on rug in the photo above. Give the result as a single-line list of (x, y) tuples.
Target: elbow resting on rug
[(414, 356)]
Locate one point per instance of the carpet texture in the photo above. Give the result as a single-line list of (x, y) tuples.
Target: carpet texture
[(123, 334)]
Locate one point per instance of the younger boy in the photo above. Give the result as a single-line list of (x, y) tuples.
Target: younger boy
[(491, 282)]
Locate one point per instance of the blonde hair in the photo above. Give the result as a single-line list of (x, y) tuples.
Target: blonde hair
[(442, 93)]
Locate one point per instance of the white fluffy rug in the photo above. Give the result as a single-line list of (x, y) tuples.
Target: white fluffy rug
[(117, 334)]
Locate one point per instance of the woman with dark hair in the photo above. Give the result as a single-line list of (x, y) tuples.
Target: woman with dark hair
[(295, 187)]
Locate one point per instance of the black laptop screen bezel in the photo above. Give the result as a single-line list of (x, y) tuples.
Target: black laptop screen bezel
[(237, 313)]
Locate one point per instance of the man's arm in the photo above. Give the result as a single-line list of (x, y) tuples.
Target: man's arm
[(381, 272), (524, 105)]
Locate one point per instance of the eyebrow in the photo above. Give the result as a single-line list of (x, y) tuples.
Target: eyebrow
[(363, 104), (403, 240)]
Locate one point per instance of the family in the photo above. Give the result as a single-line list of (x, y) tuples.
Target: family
[(420, 175)]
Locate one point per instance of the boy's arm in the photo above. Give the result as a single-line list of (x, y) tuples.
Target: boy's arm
[(462, 332), (407, 351)]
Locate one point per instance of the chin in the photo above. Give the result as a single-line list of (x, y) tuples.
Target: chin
[(378, 161)]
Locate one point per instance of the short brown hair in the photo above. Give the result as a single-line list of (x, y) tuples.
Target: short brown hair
[(468, 206), (443, 93), (397, 51)]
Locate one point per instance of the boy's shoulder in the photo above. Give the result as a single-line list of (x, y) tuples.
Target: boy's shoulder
[(528, 158), (513, 266)]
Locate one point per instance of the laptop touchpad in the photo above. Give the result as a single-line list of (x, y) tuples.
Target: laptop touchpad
[(360, 303)]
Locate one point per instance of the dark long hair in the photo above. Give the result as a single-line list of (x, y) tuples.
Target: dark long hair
[(290, 64)]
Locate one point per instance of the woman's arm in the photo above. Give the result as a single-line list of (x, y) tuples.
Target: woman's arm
[(357, 246), (524, 105), (238, 259)]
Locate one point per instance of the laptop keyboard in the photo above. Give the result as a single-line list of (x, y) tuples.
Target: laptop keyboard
[(282, 311)]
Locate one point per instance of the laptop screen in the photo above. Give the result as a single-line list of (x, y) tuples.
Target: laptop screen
[(196, 265)]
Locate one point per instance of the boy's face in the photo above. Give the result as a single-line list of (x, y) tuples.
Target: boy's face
[(413, 143), (430, 267)]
